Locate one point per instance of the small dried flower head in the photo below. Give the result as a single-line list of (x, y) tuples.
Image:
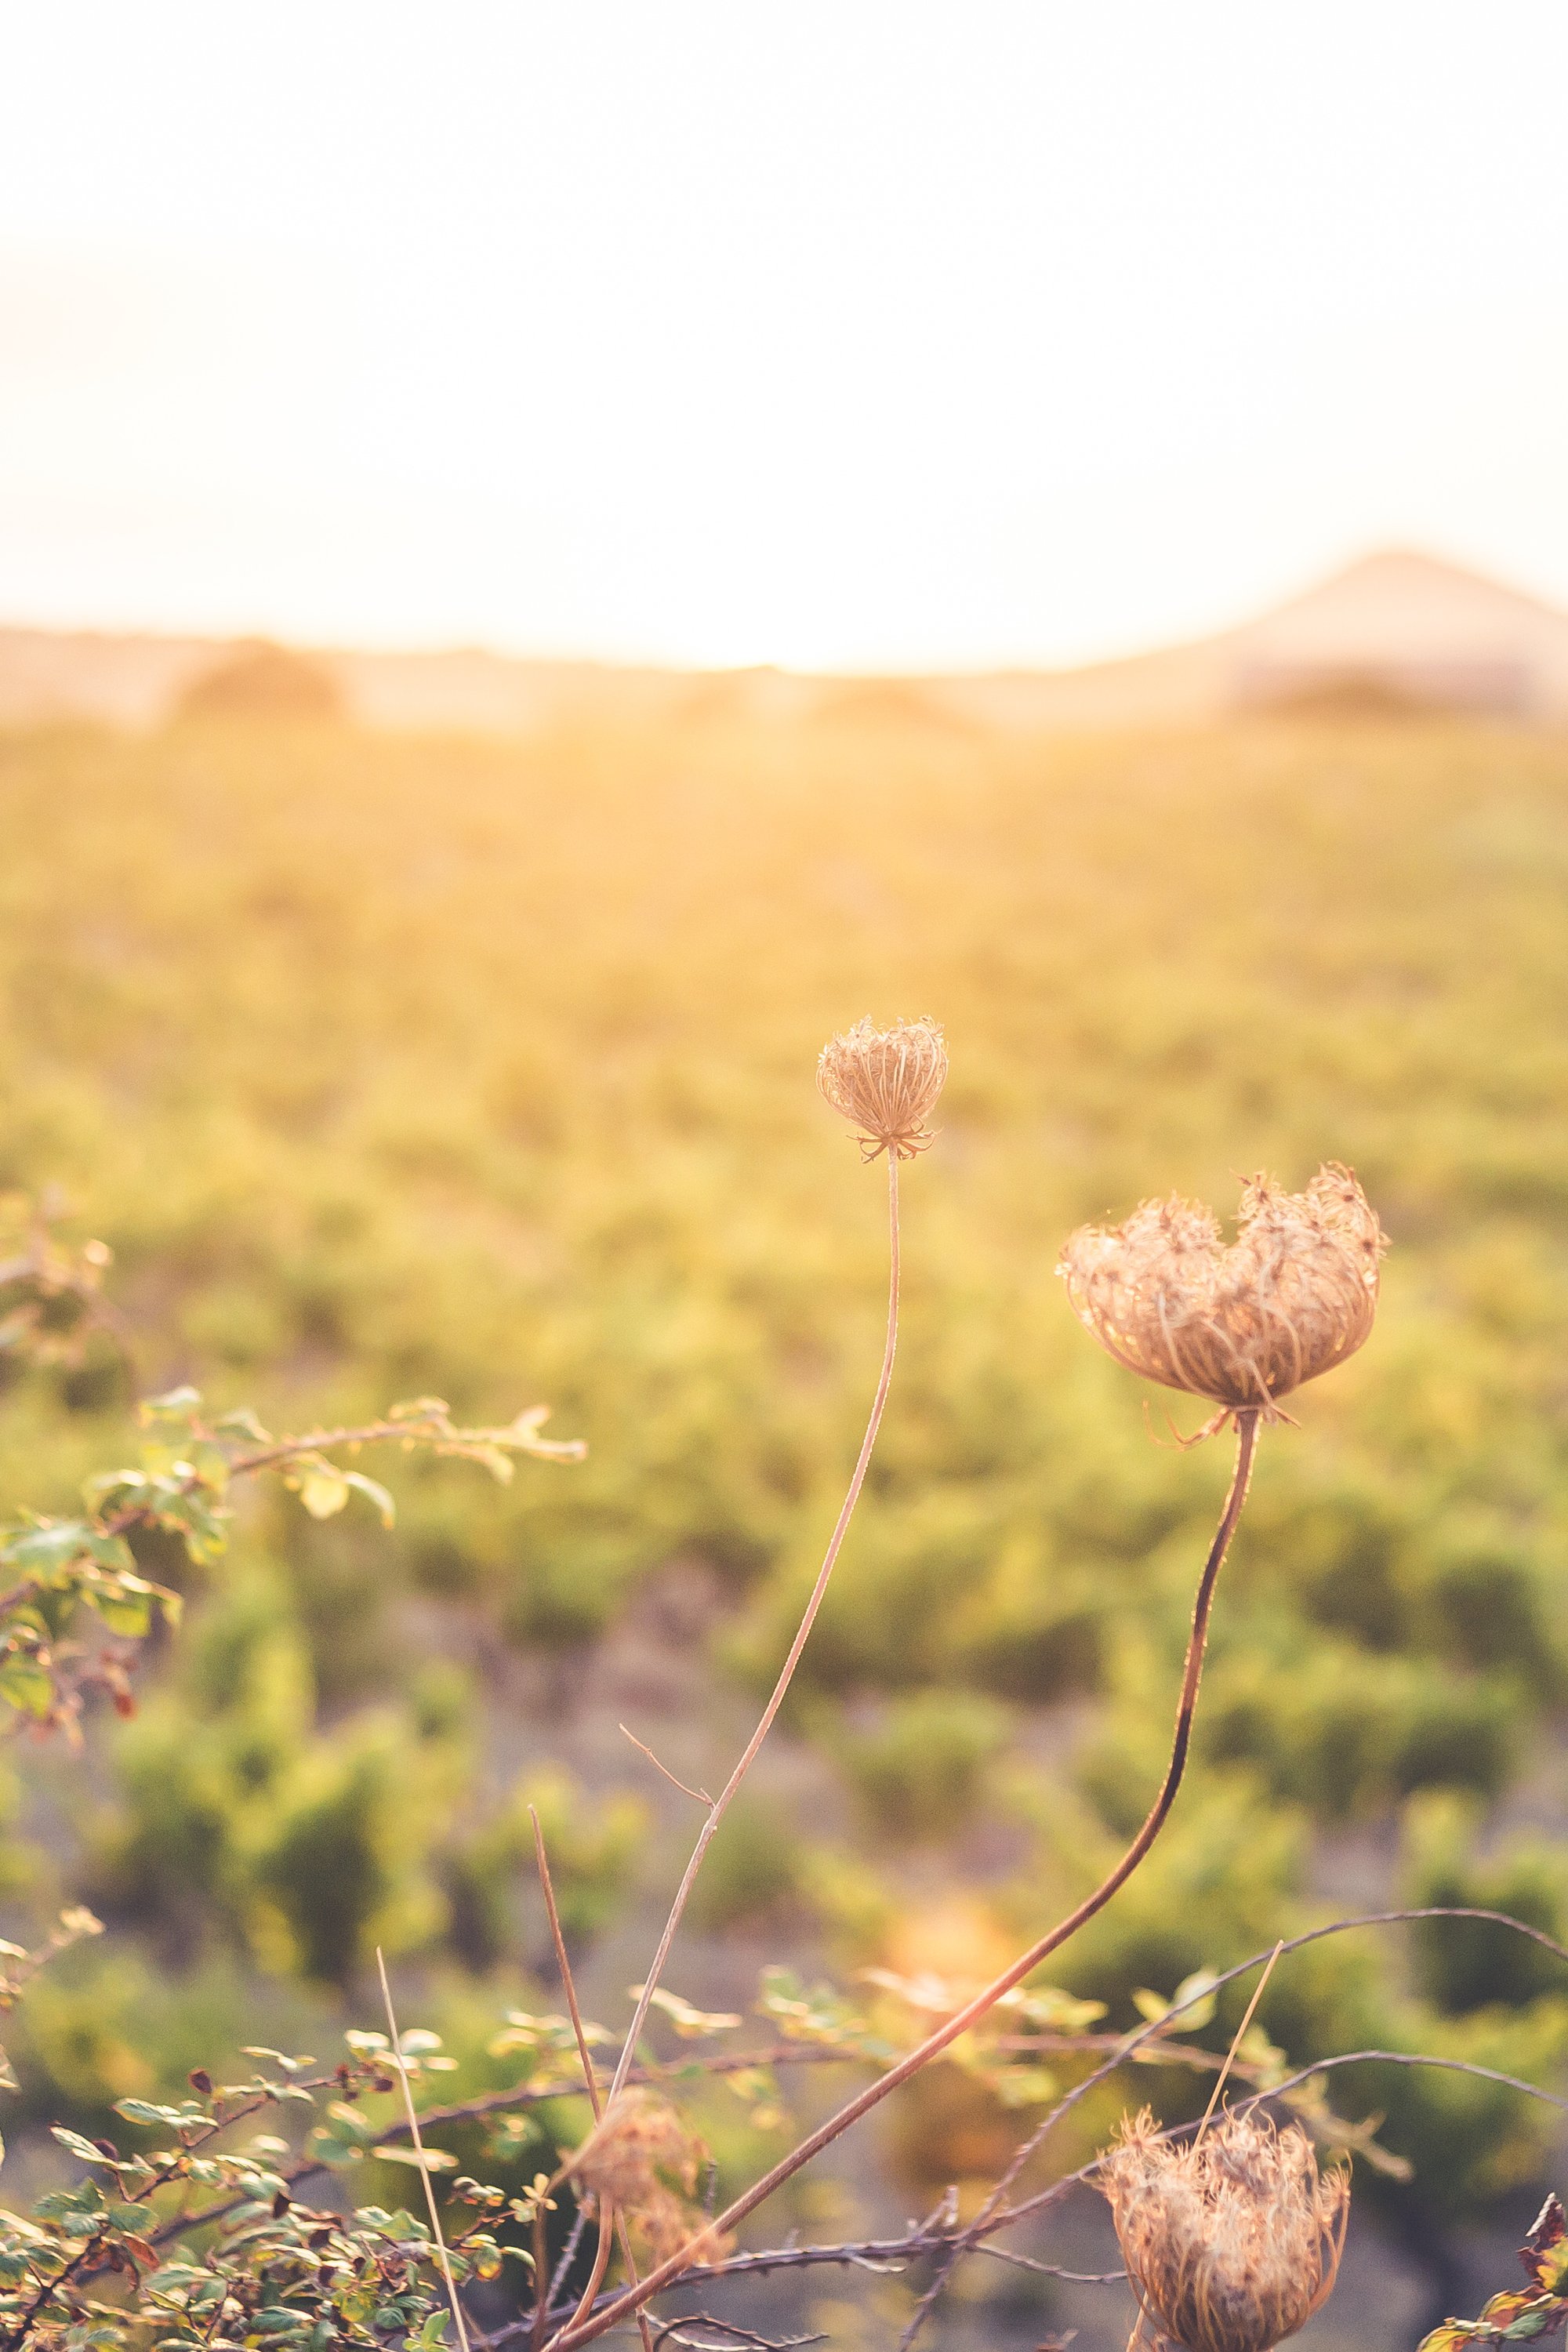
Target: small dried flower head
[(1233, 2242), (1242, 1324), (886, 1081), (641, 2159)]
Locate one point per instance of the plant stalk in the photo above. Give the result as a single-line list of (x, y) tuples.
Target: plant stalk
[(969, 2014), (721, 1804)]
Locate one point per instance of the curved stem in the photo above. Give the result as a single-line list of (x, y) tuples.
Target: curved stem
[(721, 1804), (972, 2010)]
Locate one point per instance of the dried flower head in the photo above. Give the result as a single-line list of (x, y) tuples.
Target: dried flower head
[(1291, 1296), (886, 1081), (641, 2159), (1231, 2242)]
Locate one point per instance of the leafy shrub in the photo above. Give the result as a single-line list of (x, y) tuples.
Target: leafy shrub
[(1344, 1732), (755, 1873), (919, 1769), (1463, 1965)]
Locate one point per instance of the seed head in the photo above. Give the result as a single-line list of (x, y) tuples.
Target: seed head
[(1232, 2242), (641, 2159), (886, 1081), (1242, 1324)]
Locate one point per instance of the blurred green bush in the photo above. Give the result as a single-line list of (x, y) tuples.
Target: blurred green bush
[(391, 1066)]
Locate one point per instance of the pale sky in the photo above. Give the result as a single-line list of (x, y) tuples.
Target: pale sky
[(826, 333)]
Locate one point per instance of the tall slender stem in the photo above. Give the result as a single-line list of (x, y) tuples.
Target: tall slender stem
[(401, 2063), (972, 2010), (563, 1962), (721, 1804)]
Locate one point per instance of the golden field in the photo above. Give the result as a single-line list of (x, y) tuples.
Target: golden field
[(391, 1066)]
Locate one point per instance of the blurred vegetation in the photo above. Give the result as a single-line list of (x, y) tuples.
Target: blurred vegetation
[(391, 1066)]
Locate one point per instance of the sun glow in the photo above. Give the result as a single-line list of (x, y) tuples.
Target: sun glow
[(835, 336)]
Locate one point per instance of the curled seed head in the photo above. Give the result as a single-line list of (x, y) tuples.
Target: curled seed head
[(887, 1082), (641, 2159), (1242, 1324), (1233, 2242)]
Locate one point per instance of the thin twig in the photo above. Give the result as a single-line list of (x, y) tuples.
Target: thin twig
[(1134, 2047), (721, 1804), (697, 1796), (737, 2339), (413, 2120), (972, 2010), (564, 1963), (1135, 2044), (1060, 2188), (889, 2256), (943, 2220), (1052, 2270), (568, 2253), (1403, 2058), (415, 1428)]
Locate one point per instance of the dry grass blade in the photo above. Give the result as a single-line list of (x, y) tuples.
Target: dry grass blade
[(1239, 2037), (413, 2122), (697, 1796)]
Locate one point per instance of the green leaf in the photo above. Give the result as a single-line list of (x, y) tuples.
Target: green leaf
[(1190, 2007), (125, 1601), (27, 1685), (435, 2159), (175, 1404), (345, 2139), (48, 1550), (349, 2120), (123, 1609), (375, 1493), (242, 1423), (130, 2221), (77, 2145), (688, 2021), (324, 1492)]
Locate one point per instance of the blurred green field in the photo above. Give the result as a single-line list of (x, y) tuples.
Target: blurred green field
[(393, 1067)]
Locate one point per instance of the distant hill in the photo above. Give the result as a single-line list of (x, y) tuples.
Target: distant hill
[(1395, 631)]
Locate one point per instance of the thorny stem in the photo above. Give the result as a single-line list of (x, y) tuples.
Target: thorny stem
[(972, 2010), (1122, 2049), (872, 2255), (889, 2256), (721, 1802)]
